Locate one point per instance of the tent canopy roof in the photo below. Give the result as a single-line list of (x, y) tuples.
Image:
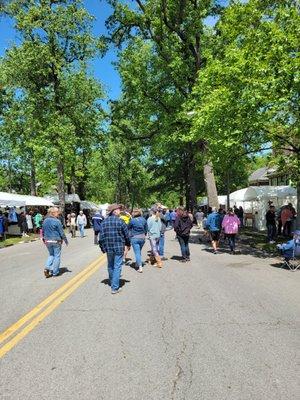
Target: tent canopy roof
[(69, 198), (21, 200), (88, 205), (253, 193)]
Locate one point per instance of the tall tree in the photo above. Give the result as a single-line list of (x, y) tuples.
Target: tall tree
[(176, 30), (49, 67), (249, 90)]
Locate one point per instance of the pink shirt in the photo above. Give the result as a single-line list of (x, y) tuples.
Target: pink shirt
[(231, 224)]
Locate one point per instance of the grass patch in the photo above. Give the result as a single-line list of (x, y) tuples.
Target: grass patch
[(12, 240), (258, 240)]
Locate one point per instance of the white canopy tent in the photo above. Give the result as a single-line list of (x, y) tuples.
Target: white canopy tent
[(254, 199), (222, 199), (21, 200), (259, 192)]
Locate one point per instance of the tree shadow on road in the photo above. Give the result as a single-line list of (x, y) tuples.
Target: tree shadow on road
[(243, 246), (122, 282)]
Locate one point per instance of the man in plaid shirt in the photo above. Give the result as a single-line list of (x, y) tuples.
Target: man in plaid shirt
[(113, 237)]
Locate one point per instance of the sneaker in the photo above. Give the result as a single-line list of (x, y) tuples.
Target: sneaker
[(140, 270), (215, 251), (188, 259), (183, 260), (116, 291)]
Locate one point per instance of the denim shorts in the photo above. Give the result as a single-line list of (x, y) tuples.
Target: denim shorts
[(215, 235)]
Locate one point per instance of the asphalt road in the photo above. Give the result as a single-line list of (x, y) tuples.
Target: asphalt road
[(220, 327)]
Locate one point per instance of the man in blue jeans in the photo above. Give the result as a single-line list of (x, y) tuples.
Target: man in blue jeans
[(53, 236), (113, 238)]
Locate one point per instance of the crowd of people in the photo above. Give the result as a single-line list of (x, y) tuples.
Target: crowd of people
[(280, 222), (120, 230), (28, 222)]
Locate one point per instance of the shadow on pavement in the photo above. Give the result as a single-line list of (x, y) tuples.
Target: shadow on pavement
[(64, 270), (178, 258), (243, 245), (122, 282), (281, 265)]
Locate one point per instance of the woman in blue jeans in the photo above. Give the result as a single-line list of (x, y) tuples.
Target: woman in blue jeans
[(137, 231)]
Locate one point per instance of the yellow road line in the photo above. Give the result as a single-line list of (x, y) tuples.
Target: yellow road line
[(23, 320), (28, 328)]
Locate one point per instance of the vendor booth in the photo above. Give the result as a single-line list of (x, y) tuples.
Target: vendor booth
[(14, 204), (255, 201), (72, 202)]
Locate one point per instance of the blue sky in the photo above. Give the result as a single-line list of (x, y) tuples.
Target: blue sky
[(101, 67)]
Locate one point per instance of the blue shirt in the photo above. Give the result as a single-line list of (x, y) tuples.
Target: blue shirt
[(96, 221), (154, 227), (137, 227), (168, 216), (113, 235), (53, 229), (213, 222)]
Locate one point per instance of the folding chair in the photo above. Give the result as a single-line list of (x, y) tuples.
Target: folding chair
[(292, 255)]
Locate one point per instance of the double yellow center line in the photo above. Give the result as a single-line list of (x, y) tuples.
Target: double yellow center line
[(13, 335)]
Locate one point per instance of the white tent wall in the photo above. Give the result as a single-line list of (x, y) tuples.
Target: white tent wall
[(255, 200)]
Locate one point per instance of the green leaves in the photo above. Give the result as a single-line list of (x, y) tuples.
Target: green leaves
[(54, 116), (247, 95)]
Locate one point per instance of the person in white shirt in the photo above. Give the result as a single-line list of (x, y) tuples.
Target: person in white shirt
[(29, 222), (72, 223), (81, 223), (199, 218)]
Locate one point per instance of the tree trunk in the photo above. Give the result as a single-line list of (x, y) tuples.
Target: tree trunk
[(181, 190), (83, 180), (9, 175), (211, 188), (187, 195), (32, 177), (186, 184), (192, 187), (228, 189), (61, 185)]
